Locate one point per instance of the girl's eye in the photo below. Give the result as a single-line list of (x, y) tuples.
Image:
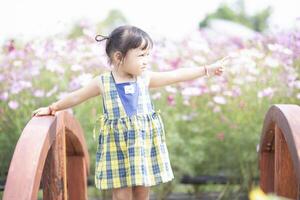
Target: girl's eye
[(144, 54)]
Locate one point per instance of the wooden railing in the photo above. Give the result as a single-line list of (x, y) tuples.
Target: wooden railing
[(279, 151), (51, 154)]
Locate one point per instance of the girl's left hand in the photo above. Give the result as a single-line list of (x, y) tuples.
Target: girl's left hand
[(217, 68)]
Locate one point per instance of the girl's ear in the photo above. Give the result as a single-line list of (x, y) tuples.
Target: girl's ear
[(118, 57)]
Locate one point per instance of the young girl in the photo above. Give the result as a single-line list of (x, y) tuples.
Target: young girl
[(132, 154)]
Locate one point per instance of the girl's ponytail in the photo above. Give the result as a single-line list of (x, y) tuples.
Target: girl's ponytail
[(103, 38)]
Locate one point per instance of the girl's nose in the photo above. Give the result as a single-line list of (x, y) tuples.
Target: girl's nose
[(145, 61)]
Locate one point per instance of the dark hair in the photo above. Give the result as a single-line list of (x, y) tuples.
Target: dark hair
[(125, 38)]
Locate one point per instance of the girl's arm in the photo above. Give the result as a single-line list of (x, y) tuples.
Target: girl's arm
[(90, 90), (158, 79)]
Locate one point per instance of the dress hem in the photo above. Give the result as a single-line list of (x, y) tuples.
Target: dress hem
[(146, 185)]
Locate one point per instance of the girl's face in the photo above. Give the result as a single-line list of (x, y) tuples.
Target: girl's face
[(136, 61)]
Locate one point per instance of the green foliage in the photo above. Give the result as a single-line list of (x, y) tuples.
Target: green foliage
[(114, 17), (257, 22)]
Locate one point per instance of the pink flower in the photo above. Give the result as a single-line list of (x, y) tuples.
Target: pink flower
[(268, 92), (19, 86), (171, 100), (175, 63), (236, 92), (4, 96), (13, 104), (11, 46), (220, 136)]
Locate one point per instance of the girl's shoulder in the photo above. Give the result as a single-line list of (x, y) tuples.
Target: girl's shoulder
[(100, 77)]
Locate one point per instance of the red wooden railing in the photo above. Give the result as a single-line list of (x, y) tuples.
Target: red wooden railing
[(51, 154), (279, 151)]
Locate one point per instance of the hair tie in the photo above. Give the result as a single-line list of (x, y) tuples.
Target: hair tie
[(103, 38)]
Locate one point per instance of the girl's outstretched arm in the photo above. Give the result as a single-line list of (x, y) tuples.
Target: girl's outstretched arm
[(159, 79), (90, 90), (93, 88)]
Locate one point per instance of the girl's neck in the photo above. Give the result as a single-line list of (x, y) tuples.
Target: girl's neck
[(121, 76)]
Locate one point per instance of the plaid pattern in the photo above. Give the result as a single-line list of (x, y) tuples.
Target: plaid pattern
[(131, 150)]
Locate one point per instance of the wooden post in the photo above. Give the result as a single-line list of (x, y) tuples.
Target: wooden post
[(285, 181), (51, 152), (279, 151), (54, 174), (77, 179)]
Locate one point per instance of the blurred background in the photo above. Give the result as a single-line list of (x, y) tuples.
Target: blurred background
[(213, 125)]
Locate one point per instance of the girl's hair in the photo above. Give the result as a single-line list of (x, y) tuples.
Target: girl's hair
[(125, 38)]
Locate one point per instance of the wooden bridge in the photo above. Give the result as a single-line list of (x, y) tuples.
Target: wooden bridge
[(279, 151), (52, 154)]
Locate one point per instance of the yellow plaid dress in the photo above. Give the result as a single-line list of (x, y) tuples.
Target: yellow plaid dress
[(131, 150)]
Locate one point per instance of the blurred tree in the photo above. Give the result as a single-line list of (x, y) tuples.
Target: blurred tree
[(114, 18), (257, 22)]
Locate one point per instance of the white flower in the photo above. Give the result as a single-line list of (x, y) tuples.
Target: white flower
[(76, 67), (215, 88), (239, 81), (4, 96), (280, 48), (54, 66), (39, 93), (271, 62), (62, 95), (228, 93), (268, 92), (13, 104), (84, 79), (157, 95), (191, 91), (297, 84), (171, 89), (219, 100), (17, 63)]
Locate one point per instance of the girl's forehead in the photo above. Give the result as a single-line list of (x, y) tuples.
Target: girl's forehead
[(140, 50), (142, 47)]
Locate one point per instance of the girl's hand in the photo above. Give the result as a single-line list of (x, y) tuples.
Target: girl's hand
[(217, 68), (42, 111)]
